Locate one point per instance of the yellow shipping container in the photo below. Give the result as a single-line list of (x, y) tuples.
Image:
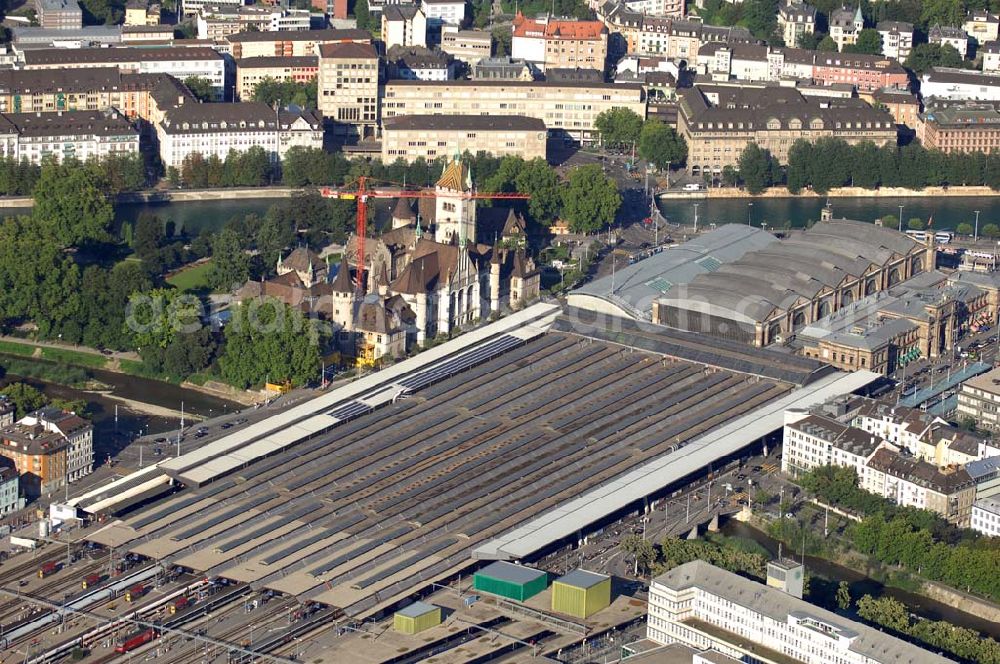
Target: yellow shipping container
[(416, 618), (581, 594)]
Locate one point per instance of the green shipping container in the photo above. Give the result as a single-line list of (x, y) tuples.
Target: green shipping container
[(510, 581), (416, 618), (581, 594)]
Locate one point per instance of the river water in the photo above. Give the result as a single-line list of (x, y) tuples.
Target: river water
[(827, 575), (778, 212), (110, 436)]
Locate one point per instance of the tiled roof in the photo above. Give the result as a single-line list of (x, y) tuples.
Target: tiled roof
[(558, 29)]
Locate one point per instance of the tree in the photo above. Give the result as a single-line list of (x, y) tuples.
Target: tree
[(155, 318), (25, 397), (991, 230), (363, 15), (730, 176), (201, 88), (501, 41), (964, 228), (642, 551), (844, 596), (925, 56), (590, 199), (661, 145), (102, 12), (71, 205), (756, 169), (618, 126), (827, 44), (266, 340), (810, 41), (230, 263), (915, 224), (869, 41), (943, 12), (273, 92), (539, 180), (148, 236)]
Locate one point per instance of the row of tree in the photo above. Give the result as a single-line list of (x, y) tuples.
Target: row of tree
[(245, 168), (655, 142), (274, 93), (671, 552), (917, 540), (967, 644), (832, 162)]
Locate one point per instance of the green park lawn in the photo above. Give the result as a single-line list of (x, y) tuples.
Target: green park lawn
[(191, 278)]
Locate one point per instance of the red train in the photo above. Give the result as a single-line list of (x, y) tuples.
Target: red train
[(91, 581), (135, 593), (47, 570), (137, 640), (179, 605)]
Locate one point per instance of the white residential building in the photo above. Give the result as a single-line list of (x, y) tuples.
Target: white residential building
[(986, 517), (954, 37), (672, 8), (195, 6), (897, 39), (949, 491), (796, 19), (217, 129), (945, 83), (845, 25), (811, 440), (982, 26), (403, 25), (703, 606), (63, 135), (443, 12), (991, 57)]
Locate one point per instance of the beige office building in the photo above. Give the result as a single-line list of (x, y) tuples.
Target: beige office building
[(251, 71), (431, 136), (348, 87), (567, 109), (467, 45), (294, 43)]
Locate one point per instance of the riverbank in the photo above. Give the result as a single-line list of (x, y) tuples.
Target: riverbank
[(970, 611), (125, 363), (840, 192), (176, 196)]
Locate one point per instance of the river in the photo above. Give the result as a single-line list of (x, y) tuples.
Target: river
[(777, 212), (827, 575), (111, 436)]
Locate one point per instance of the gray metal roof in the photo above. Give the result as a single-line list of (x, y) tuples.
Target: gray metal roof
[(639, 284), (581, 578), (982, 468), (777, 605), (511, 572), (416, 609), (578, 514)]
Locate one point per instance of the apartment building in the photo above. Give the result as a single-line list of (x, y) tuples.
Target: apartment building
[(810, 440), (902, 105), (636, 33), (251, 71), (10, 489), (410, 137), (82, 135), (796, 20), (501, 69), (845, 25), (909, 482), (982, 26), (468, 46), (704, 607), (991, 57), (217, 129), (985, 517), (443, 12), (567, 109), (48, 447), (970, 127), (178, 62), (547, 42), (139, 13), (216, 22), (288, 44), (404, 25), (59, 14), (979, 400), (718, 121), (418, 64), (749, 62), (954, 37), (348, 87), (191, 7), (897, 39), (668, 8), (95, 89)]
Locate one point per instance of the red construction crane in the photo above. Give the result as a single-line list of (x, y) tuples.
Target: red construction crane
[(361, 193)]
